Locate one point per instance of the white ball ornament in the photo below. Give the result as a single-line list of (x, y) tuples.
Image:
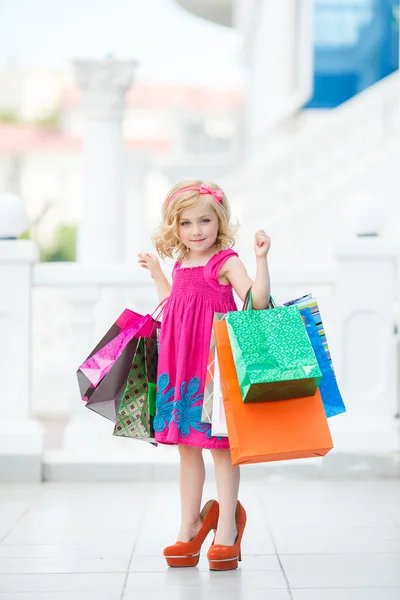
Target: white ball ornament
[(364, 214), (13, 216)]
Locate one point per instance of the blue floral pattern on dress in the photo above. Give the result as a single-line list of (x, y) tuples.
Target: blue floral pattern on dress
[(164, 404), (208, 434), (187, 415)]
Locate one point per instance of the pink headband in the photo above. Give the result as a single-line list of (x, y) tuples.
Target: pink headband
[(203, 189)]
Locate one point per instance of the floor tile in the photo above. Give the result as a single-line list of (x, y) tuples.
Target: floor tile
[(87, 595), (342, 540), (345, 578), (71, 583), (212, 593), (340, 562), (102, 549), (377, 593), (10, 514), (330, 517), (194, 578), (99, 564), (20, 537)]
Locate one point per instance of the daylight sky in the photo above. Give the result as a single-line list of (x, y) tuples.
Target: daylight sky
[(169, 43)]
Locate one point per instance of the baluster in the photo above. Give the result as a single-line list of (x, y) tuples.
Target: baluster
[(85, 430)]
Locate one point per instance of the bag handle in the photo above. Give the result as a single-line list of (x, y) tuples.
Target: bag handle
[(157, 313), (159, 309), (248, 301)]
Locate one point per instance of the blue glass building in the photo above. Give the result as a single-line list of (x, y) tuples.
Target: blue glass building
[(356, 44)]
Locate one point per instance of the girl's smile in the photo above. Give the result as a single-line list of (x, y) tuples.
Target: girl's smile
[(198, 226)]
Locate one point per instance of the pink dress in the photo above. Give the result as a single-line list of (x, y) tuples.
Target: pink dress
[(183, 352)]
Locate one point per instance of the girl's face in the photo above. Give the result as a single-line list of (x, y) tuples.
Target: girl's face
[(198, 227)]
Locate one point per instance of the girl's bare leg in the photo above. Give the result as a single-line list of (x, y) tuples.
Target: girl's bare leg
[(228, 479), (192, 477)]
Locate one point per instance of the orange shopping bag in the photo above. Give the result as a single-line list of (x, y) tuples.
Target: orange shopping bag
[(269, 431)]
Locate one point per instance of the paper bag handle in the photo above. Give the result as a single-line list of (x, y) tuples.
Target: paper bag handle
[(248, 301)]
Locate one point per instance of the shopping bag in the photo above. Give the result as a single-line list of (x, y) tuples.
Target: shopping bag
[(218, 421), (206, 412), (310, 302), (331, 397), (133, 418), (99, 362), (272, 353), (268, 431), (105, 396)]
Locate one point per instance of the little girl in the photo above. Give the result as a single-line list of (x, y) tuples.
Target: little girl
[(197, 231)]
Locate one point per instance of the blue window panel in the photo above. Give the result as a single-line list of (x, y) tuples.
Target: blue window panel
[(356, 43)]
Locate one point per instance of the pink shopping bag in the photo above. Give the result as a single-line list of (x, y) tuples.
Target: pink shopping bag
[(129, 326)]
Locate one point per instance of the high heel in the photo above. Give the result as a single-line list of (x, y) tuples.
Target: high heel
[(225, 558), (187, 554)]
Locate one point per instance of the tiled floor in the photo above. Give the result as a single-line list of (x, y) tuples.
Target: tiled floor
[(305, 540)]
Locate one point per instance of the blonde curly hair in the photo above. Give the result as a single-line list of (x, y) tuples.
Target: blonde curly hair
[(166, 239)]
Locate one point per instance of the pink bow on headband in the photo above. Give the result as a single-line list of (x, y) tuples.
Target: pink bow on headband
[(202, 189)]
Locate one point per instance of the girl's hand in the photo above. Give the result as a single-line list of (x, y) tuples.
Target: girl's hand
[(262, 243), (151, 263)]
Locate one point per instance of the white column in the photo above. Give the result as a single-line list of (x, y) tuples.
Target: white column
[(366, 358), (21, 437), (279, 54), (101, 236)]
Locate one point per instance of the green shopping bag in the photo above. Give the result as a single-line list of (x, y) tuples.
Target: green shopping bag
[(273, 355), (135, 418)]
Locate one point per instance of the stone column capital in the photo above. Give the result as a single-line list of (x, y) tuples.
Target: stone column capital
[(104, 84)]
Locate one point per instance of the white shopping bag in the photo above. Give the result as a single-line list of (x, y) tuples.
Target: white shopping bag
[(218, 422)]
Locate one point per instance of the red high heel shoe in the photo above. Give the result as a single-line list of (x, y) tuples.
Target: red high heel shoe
[(187, 554), (225, 558)]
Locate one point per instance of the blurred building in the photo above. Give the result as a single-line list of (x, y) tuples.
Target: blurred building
[(304, 166), (171, 132)]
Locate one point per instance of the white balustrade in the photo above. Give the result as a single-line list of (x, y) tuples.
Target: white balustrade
[(87, 448)]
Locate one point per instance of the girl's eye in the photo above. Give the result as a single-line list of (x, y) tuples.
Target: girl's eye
[(185, 223), (205, 220)]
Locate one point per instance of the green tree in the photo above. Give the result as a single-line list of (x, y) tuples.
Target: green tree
[(9, 116), (49, 120), (63, 248)]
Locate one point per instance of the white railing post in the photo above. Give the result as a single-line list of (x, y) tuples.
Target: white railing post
[(21, 437), (366, 361)]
